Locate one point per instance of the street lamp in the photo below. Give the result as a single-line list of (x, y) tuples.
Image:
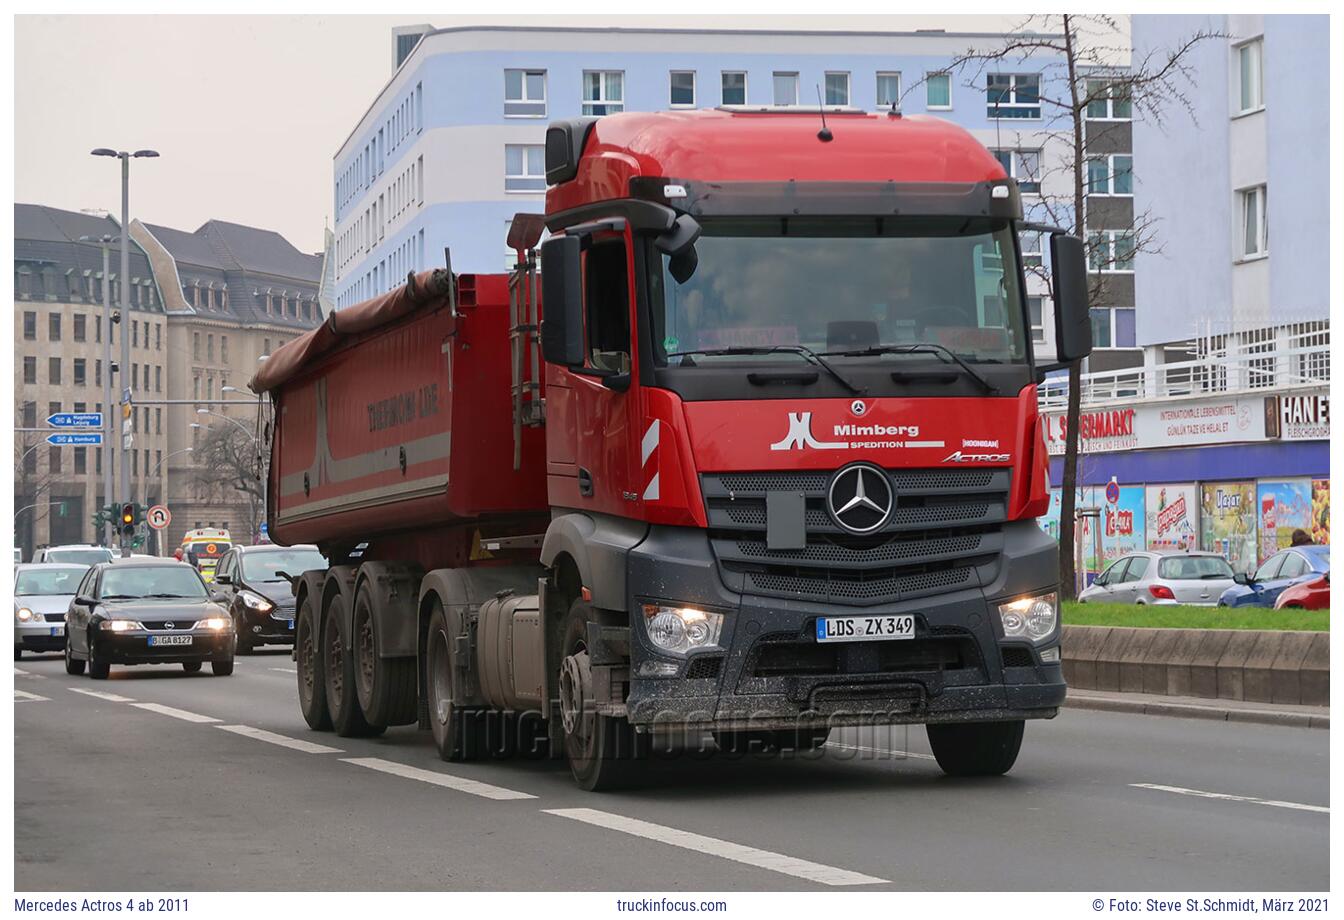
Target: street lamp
[(125, 157), (109, 425)]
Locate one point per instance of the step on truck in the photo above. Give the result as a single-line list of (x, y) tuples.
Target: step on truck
[(748, 450)]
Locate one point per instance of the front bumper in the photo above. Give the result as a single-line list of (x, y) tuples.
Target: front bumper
[(39, 637), (133, 647), (275, 627), (769, 672)]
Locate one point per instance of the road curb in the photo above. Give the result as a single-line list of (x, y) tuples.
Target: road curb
[(1195, 711)]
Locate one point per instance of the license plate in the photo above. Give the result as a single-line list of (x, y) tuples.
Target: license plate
[(865, 629), (170, 640), (291, 624), (58, 630)]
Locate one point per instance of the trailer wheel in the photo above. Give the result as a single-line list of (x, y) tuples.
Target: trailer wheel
[(603, 751), (338, 665), (385, 686), (308, 664), (458, 731), (976, 748)]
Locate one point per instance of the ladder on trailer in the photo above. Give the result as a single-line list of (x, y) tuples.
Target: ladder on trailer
[(529, 408)]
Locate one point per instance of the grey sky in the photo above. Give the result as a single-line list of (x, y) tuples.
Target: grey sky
[(246, 111)]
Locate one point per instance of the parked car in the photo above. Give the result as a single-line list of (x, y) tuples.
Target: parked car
[(1162, 577), (42, 594), (1311, 594), (158, 612), (251, 581), (81, 553), (1285, 568)]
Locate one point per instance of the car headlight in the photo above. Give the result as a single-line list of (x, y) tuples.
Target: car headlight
[(1033, 618), (681, 629), (214, 624), (254, 601), (24, 615), (119, 625)]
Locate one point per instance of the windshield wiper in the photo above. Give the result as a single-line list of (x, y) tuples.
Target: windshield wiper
[(802, 351), (188, 596), (916, 348), (119, 597)]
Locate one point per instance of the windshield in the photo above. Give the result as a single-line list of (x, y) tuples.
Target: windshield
[(1194, 567), (845, 285), (133, 581), (82, 556), (264, 566), (49, 581), (207, 550)]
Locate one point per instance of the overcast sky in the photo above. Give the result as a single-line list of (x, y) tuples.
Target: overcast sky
[(246, 111)]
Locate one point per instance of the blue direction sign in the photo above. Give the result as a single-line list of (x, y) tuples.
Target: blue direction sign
[(95, 437), (76, 420)]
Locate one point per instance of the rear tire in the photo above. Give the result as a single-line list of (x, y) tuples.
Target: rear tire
[(385, 686), (338, 662), (191, 667), (308, 664), (976, 748), (73, 666), (98, 669), (221, 667), (459, 732)]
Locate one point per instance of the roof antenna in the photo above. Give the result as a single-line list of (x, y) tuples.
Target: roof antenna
[(824, 135)]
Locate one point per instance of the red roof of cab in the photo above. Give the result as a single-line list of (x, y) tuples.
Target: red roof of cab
[(723, 146)]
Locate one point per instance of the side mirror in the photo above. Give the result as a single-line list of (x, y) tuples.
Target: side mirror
[(83, 600), (562, 301), (1241, 578), (223, 579), (679, 244), (1073, 319)]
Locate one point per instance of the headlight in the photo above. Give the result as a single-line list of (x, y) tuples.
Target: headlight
[(24, 615), (215, 624), (681, 629), (1033, 618), (254, 601), (119, 625)]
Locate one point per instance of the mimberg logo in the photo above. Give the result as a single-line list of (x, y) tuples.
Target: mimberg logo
[(800, 435)]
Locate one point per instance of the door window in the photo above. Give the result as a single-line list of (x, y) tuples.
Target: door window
[(607, 305), (1137, 566), (1270, 568), (1115, 573), (1293, 566)]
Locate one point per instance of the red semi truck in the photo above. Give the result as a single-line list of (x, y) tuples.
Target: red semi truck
[(770, 463)]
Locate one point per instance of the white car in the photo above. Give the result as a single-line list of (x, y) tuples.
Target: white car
[(85, 554), (1163, 577), (42, 594)]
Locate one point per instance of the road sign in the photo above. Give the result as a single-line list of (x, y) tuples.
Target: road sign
[(1113, 492), (158, 517), (65, 440), (76, 420)]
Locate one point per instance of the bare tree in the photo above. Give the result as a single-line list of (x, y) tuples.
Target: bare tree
[(229, 468), (1080, 61), (32, 486)]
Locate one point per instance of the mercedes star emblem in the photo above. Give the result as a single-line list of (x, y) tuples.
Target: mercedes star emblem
[(860, 498)]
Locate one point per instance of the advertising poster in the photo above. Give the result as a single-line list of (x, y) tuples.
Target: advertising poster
[(1084, 534), (1320, 511), (1227, 515), (1171, 514), (1122, 521), (1283, 507)]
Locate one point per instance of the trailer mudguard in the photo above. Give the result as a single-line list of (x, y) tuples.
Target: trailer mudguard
[(395, 591), (598, 544)]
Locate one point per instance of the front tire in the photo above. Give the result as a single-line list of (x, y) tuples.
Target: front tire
[(242, 645), (98, 669), (220, 667), (73, 666), (308, 665), (458, 731), (976, 748), (338, 663)]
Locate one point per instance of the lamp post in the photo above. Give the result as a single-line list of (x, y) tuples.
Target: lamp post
[(125, 157), (163, 493), (109, 424), (261, 475)]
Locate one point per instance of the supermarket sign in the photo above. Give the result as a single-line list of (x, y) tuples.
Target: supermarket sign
[(1197, 423)]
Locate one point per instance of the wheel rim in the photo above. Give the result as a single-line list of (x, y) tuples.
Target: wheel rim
[(440, 678), (334, 675), (307, 655), (576, 692), (364, 651)]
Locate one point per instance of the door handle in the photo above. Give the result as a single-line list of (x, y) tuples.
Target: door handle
[(585, 483)]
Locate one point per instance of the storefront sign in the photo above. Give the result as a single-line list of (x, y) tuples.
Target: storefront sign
[(1171, 514), (1183, 424), (1304, 418)]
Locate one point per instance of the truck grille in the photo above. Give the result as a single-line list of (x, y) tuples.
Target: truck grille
[(946, 523)]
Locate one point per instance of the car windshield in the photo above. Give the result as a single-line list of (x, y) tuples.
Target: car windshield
[(263, 566), (132, 581), (49, 581), (1194, 567), (835, 285), (82, 556)]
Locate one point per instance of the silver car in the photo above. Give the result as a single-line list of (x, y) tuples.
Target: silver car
[(42, 593), (85, 554), (1162, 577)]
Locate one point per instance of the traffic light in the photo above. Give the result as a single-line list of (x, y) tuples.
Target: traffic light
[(129, 518)]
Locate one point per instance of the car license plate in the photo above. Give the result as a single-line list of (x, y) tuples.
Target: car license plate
[(58, 630), (865, 629), (291, 624), (170, 640)]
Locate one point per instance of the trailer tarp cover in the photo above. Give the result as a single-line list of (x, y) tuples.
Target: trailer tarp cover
[(292, 357)]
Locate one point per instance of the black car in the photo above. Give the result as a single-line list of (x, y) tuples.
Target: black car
[(150, 612), (251, 581)]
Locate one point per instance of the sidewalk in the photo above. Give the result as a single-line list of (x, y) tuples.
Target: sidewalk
[(1191, 707)]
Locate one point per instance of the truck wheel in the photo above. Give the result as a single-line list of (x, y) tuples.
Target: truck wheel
[(385, 686), (338, 665), (98, 669), (976, 748), (308, 664), (603, 751), (73, 666), (458, 731)]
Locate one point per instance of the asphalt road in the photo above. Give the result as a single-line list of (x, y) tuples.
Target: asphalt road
[(171, 782)]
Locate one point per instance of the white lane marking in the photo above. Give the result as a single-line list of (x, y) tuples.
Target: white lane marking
[(21, 672), (283, 670), (863, 748), (110, 697), (29, 674), (762, 859), (461, 784), (23, 696), (1180, 790), (260, 734), (175, 713)]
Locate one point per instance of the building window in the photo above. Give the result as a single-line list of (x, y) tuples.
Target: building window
[(734, 85), (681, 89), (1036, 310), (54, 327), (1113, 327), (524, 94), (196, 344), (158, 378), (98, 462), (196, 386), (603, 92), (1108, 101), (1031, 249), (54, 371), (786, 88), (135, 333), (1013, 95), (888, 90), (524, 168), (30, 415), (81, 460), (224, 349), (1254, 225), (1111, 251), (158, 336), (81, 372), (30, 325), (1112, 175), (210, 348), (98, 372), (1250, 61), (29, 369), (1024, 166), (54, 460), (837, 88), (158, 421)]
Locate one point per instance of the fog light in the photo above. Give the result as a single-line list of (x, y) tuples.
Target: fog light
[(1050, 655), (256, 629), (658, 669), (1033, 618)]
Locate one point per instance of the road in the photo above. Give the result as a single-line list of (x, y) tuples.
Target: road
[(158, 780)]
